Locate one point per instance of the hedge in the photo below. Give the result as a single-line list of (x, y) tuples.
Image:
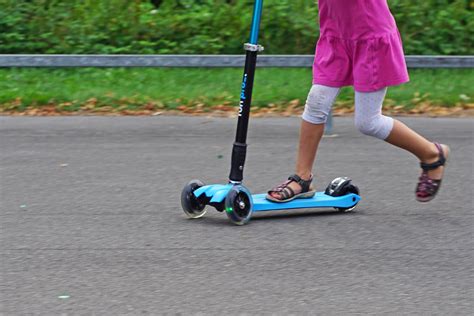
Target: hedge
[(428, 27)]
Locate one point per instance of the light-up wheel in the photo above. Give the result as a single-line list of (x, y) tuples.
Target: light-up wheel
[(238, 205), (191, 205)]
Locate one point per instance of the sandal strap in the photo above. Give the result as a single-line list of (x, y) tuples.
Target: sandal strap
[(305, 184), (287, 192), (427, 186), (441, 161), (280, 187)]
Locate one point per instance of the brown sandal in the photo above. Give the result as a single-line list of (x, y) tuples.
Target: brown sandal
[(288, 194), (427, 188)]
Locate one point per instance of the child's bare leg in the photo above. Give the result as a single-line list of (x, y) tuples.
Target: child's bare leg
[(310, 136), (404, 137), (369, 120), (318, 105)]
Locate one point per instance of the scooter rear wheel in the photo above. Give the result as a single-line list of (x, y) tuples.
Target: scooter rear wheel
[(192, 206), (348, 190), (239, 205)]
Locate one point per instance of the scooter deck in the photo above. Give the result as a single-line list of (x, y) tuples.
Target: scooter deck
[(218, 192), (319, 200)]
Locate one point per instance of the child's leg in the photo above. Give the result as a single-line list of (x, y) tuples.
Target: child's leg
[(370, 121), (310, 136), (404, 137), (368, 114), (318, 105)]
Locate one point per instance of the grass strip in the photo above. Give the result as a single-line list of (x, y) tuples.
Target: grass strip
[(138, 89)]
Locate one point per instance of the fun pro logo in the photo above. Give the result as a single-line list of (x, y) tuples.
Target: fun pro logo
[(242, 95)]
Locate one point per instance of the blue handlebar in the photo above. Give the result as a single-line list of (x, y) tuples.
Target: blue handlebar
[(257, 14)]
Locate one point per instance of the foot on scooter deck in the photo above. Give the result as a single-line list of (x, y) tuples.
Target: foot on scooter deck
[(319, 200)]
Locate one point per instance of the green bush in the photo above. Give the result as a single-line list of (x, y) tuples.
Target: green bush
[(209, 26)]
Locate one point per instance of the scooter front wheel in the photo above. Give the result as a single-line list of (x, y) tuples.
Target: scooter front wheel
[(192, 206), (239, 205)]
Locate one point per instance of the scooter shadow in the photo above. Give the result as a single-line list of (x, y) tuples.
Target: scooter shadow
[(274, 215), (279, 215)]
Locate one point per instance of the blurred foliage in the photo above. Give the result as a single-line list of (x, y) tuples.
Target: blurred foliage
[(210, 26)]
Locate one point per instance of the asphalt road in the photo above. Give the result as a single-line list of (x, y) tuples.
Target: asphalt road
[(91, 222)]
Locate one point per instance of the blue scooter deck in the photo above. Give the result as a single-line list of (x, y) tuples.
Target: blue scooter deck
[(218, 192), (319, 200)]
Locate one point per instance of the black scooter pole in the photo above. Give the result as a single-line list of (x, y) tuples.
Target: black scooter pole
[(239, 149)]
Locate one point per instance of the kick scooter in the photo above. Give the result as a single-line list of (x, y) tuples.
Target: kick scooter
[(233, 198)]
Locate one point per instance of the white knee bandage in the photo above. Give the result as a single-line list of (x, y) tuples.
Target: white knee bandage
[(368, 114), (318, 103)]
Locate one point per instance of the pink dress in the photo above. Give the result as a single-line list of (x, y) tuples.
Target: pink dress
[(359, 46)]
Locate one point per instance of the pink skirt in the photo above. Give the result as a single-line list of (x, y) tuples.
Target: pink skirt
[(367, 64)]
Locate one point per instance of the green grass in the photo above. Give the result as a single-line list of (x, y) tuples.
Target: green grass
[(170, 88)]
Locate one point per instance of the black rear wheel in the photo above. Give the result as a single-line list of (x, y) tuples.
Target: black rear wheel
[(348, 190), (192, 206)]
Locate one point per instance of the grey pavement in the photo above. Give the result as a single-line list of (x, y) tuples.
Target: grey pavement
[(91, 222)]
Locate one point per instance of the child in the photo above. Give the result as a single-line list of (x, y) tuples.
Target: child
[(359, 46)]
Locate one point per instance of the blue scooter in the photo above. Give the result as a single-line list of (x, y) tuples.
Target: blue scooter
[(233, 198)]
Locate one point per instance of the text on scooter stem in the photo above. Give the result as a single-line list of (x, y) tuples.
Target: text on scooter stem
[(242, 95)]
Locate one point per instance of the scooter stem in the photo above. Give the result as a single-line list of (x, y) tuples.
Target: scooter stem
[(252, 48)]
